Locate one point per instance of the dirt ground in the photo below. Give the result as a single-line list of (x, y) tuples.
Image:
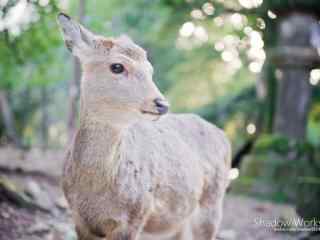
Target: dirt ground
[(36, 175)]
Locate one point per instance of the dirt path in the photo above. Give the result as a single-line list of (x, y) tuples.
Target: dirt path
[(40, 182), (243, 219)]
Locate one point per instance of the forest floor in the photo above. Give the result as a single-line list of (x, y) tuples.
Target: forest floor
[(43, 212)]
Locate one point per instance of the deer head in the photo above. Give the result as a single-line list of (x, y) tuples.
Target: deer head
[(117, 83)]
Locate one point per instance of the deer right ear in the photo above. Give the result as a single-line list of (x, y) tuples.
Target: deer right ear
[(77, 38)]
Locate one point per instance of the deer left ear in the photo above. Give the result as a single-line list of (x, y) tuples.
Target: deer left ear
[(77, 38)]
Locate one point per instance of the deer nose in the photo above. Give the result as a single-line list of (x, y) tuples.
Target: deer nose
[(162, 105)]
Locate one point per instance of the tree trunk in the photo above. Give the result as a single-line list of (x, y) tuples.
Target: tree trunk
[(294, 64), (8, 119), (74, 86), (44, 118)]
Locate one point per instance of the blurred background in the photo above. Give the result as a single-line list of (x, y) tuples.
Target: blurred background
[(252, 67)]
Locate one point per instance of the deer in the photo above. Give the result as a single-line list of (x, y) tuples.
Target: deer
[(134, 171)]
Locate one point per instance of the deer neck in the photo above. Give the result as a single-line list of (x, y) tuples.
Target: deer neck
[(102, 144)]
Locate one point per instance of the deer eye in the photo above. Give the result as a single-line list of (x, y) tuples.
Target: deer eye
[(117, 68)]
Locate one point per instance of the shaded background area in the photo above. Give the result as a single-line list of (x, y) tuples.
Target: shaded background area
[(250, 66)]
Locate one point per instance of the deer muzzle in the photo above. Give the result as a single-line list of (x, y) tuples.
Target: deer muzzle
[(158, 107)]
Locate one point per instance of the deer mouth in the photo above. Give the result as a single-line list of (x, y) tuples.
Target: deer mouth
[(151, 113), (155, 116)]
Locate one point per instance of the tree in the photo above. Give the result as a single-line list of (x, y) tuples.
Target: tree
[(8, 120), (25, 42)]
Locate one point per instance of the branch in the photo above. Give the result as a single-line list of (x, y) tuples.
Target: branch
[(8, 192)]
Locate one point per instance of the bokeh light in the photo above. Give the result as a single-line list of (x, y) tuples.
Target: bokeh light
[(251, 128), (250, 3), (314, 77), (208, 8), (187, 29)]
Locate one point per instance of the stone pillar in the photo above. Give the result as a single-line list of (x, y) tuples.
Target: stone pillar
[(294, 58)]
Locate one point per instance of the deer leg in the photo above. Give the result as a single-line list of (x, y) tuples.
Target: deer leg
[(207, 222), (133, 228), (128, 234), (185, 233), (83, 231), (84, 234)]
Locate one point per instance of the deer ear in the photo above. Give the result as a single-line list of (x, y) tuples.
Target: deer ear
[(77, 38)]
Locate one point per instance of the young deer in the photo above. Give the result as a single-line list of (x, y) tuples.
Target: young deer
[(131, 175)]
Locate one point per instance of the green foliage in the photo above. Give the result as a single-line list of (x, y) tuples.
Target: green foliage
[(283, 170), (281, 145), (276, 143), (29, 40), (313, 130), (308, 188), (25, 48), (228, 106)]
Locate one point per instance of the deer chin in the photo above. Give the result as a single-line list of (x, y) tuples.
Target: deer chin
[(150, 115)]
